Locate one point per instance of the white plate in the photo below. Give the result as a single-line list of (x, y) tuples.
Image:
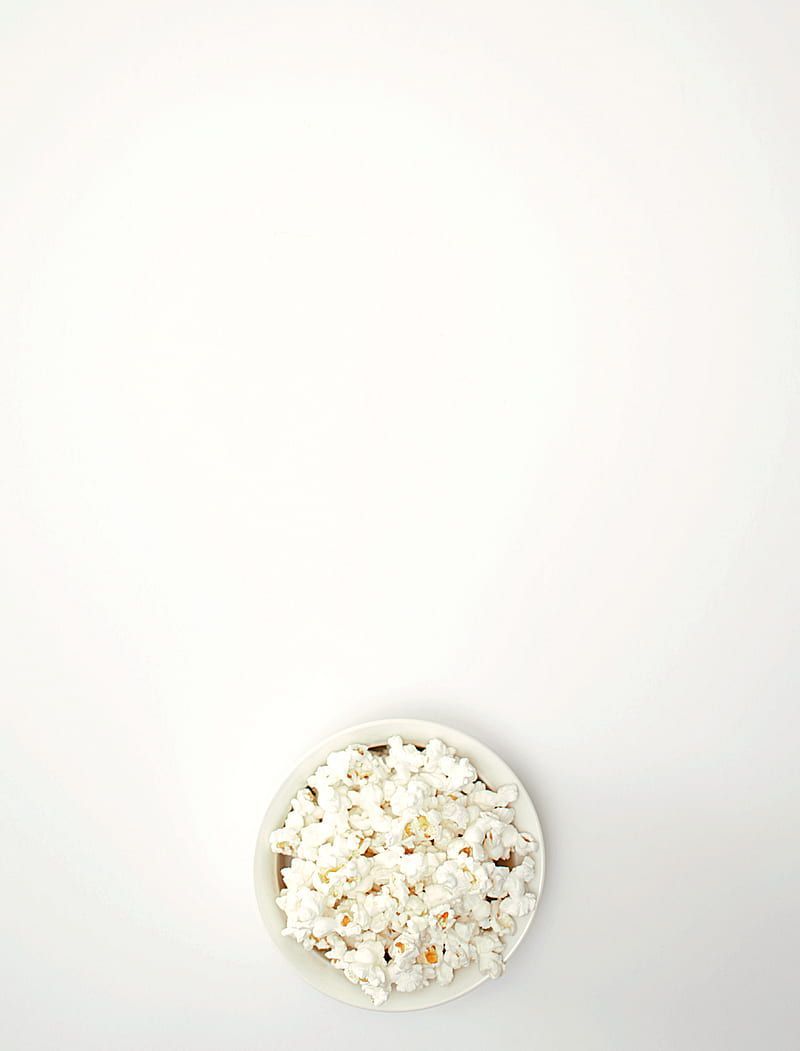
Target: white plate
[(313, 966)]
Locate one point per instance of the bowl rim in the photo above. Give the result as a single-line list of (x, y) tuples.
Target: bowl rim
[(265, 862)]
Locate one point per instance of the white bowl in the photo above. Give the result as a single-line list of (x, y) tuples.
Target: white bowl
[(313, 966)]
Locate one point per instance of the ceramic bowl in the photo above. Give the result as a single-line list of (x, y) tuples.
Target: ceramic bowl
[(313, 966)]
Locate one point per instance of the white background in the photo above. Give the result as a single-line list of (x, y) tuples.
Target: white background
[(436, 359)]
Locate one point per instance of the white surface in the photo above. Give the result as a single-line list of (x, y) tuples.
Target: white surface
[(361, 358), (492, 770)]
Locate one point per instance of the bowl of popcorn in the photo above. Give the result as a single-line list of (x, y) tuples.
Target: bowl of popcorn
[(400, 865)]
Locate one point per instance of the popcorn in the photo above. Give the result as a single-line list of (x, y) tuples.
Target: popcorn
[(394, 871)]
